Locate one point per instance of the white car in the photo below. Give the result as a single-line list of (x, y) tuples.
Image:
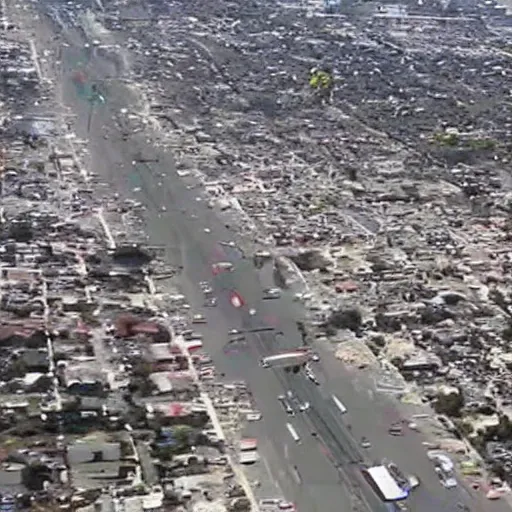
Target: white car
[(365, 443), (224, 265), (286, 505), (198, 319), (304, 407), (311, 376), (449, 483), (441, 459), (413, 482), (272, 293), (253, 416)]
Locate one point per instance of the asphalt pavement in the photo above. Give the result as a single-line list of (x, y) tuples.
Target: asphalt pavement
[(322, 473)]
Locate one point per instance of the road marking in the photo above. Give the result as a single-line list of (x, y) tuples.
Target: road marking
[(269, 471), (296, 475), (286, 454)]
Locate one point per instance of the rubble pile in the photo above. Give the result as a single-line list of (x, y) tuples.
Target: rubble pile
[(100, 401), (391, 194)]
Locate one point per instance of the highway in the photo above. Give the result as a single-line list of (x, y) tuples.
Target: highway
[(322, 473)]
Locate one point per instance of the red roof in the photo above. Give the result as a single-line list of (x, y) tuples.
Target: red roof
[(129, 325), (177, 409), (146, 328), (81, 328)]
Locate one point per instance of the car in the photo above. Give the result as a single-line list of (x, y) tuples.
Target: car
[(396, 430), (301, 406), (441, 459), (253, 416), (315, 358), (304, 407), (207, 290), (449, 483), (413, 482), (211, 303), (286, 505), (262, 254), (233, 331), (236, 339), (493, 494), (252, 311), (269, 502), (272, 293), (447, 480), (192, 335), (311, 376), (224, 266), (286, 405), (198, 319), (365, 443)]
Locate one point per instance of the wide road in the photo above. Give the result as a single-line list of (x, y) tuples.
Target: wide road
[(327, 475)]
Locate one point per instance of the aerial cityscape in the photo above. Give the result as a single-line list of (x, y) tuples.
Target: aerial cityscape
[(255, 256)]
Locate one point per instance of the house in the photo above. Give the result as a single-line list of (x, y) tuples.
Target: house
[(180, 384), (84, 380), (22, 336), (11, 478), (96, 463), (171, 413), (94, 451), (98, 475), (162, 352), (35, 360)]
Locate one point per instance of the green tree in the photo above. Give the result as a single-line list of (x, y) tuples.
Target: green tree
[(450, 404), (182, 434)]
